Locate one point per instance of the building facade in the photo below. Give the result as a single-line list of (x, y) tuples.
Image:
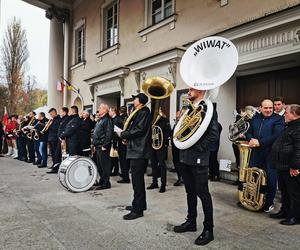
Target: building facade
[(107, 48)]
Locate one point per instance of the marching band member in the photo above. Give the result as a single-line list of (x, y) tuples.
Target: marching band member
[(29, 141), (102, 138), (159, 156), (10, 128), (41, 143), (124, 163), (138, 136), (114, 160), (194, 170), (87, 125), (52, 133), (70, 134), (64, 120)]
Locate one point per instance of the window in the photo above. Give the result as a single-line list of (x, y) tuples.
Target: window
[(111, 25), (161, 9), (80, 44)]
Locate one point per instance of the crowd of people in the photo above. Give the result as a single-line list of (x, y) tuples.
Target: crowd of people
[(274, 136)]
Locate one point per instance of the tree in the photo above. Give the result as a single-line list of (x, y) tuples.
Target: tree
[(14, 56)]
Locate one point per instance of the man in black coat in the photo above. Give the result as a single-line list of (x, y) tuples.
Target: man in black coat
[(124, 163), (52, 133), (87, 125), (159, 156), (285, 156), (71, 133), (30, 142), (194, 169), (41, 143), (102, 139), (64, 120), (138, 136)]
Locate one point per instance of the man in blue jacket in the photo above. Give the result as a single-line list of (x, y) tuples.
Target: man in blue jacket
[(264, 130)]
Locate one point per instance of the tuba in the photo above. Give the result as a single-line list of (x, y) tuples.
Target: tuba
[(252, 181), (202, 67), (157, 88), (241, 126)]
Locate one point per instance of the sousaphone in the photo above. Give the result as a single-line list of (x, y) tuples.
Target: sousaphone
[(206, 65)]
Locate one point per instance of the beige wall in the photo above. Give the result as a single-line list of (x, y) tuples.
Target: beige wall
[(195, 19)]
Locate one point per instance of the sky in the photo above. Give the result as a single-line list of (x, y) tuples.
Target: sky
[(37, 27)]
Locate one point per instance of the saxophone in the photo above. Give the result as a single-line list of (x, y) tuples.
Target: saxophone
[(252, 181)]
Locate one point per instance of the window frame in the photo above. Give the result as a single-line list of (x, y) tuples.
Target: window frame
[(83, 45), (162, 10), (105, 8)]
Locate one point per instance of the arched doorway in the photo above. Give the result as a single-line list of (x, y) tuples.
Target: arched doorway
[(78, 102)]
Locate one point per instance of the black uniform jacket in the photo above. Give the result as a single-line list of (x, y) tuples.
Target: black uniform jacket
[(62, 125), (39, 127), (53, 129), (71, 134), (138, 135), (87, 125), (103, 132), (198, 154), (285, 152)]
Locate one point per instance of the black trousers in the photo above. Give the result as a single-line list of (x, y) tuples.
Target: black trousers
[(124, 163), (1, 144), (30, 147), (22, 150), (103, 165), (159, 168), (236, 152), (53, 147), (138, 168), (213, 164), (114, 165), (58, 154), (176, 162), (293, 189), (196, 184), (283, 179)]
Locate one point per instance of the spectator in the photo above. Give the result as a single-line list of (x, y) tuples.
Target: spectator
[(265, 128), (286, 159)]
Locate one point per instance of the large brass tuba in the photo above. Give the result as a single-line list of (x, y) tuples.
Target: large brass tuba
[(157, 88), (252, 181)]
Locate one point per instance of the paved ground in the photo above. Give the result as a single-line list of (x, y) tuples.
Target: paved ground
[(36, 212)]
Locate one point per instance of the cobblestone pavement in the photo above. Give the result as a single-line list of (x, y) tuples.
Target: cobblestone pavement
[(36, 212)]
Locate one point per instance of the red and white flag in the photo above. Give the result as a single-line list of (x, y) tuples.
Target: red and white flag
[(60, 86)]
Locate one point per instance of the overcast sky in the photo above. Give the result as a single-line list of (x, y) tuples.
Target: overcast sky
[(37, 27)]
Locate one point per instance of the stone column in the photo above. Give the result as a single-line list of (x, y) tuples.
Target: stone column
[(56, 63), (66, 59)]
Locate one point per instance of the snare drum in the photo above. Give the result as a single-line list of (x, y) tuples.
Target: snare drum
[(77, 173)]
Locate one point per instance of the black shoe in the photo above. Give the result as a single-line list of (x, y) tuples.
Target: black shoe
[(186, 227), (162, 189), (215, 178), (178, 183), (289, 221), (123, 181), (132, 216), (153, 186), (114, 174), (41, 166), (36, 163), (279, 215), (102, 187), (204, 238), (236, 183), (129, 208), (16, 158), (29, 161), (52, 171)]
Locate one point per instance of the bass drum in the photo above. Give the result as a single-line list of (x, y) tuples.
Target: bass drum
[(77, 173)]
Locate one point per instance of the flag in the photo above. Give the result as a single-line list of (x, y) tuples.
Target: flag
[(69, 87), (5, 116), (60, 86)]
